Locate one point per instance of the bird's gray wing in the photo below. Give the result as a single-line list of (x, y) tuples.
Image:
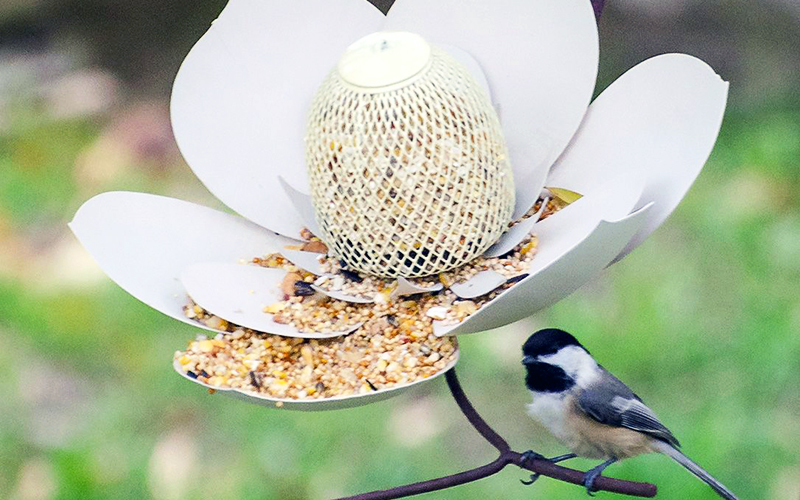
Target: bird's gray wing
[(612, 403)]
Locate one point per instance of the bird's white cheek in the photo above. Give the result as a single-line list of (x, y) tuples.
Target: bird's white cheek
[(577, 363)]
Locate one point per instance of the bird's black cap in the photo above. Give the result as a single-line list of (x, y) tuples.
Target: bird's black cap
[(548, 341)]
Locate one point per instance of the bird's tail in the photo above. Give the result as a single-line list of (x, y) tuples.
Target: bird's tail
[(675, 454)]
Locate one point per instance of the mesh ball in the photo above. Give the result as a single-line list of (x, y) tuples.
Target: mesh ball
[(407, 163)]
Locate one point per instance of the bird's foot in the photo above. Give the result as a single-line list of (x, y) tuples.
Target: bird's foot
[(527, 457), (592, 475), (532, 455)]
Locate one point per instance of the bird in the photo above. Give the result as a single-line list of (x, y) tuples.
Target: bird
[(592, 412)]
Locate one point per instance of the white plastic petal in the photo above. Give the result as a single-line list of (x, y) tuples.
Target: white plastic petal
[(515, 235), (575, 244), (529, 186), (405, 287), (402, 288), (239, 293), (307, 261), (240, 100), (143, 242), (556, 280), (479, 285), (343, 296), (540, 59), (660, 121), (333, 403), (302, 204)]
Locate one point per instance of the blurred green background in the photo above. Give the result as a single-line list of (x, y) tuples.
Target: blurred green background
[(702, 320)]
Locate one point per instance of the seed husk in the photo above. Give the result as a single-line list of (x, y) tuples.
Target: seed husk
[(303, 289)]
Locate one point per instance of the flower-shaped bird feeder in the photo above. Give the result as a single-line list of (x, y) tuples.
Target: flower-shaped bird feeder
[(399, 180)]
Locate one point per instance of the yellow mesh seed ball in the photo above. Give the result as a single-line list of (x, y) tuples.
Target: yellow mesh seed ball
[(408, 179)]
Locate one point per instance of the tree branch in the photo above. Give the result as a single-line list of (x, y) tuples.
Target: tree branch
[(507, 457), (469, 411), (435, 484)]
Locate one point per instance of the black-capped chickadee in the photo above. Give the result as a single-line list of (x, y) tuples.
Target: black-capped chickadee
[(591, 411)]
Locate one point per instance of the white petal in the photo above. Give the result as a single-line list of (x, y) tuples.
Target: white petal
[(660, 121), (239, 293), (405, 287), (302, 204), (143, 242), (343, 296), (515, 235), (307, 261), (333, 403), (479, 285), (575, 244), (240, 100), (539, 56), (529, 186)]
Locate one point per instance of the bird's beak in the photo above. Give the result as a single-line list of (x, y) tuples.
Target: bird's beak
[(528, 360)]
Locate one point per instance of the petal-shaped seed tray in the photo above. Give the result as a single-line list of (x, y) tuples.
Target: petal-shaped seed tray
[(668, 100), (239, 293), (255, 71), (307, 261), (512, 237), (322, 404), (144, 242), (479, 285)]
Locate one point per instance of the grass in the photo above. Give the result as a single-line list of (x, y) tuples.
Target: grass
[(702, 321)]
